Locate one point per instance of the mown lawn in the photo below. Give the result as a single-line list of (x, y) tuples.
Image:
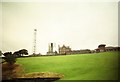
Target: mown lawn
[(96, 66)]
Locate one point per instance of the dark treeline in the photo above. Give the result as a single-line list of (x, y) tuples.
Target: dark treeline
[(10, 57)]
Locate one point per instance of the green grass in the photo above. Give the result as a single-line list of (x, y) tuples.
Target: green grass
[(97, 66)]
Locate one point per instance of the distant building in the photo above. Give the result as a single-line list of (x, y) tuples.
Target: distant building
[(80, 51), (64, 50), (112, 48), (67, 50), (97, 50), (50, 50), (102, 48)]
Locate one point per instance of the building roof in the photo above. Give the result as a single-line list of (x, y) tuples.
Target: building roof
[(101, 45)]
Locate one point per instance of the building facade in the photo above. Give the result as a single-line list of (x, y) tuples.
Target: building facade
[(64, 50), (112, 48), (50, 50), (84, 51), (102, 48)]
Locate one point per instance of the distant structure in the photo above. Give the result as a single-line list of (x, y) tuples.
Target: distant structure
[(82, 51), (102, 48), (50, 47), (50, 50), (34, 43), (112, 48), (65, 50)]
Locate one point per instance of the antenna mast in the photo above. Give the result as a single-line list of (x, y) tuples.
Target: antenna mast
[(34, 43)]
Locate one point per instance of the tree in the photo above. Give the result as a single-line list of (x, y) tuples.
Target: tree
[(20, 52), (17, 53), (23, 52), (0, 53), (9, 58)]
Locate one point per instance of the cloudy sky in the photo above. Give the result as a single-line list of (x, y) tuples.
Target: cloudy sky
[(80, 25)]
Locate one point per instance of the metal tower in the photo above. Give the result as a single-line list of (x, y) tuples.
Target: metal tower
[(34, 43)]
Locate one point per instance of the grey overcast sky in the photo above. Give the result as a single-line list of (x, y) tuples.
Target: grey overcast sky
[(80, 25)]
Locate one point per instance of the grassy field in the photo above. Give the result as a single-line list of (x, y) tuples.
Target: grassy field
[(96, 66)]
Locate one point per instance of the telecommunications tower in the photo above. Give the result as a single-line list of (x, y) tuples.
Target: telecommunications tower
[(34, 43)]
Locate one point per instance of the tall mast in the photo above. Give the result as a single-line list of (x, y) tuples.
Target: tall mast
[(34, 43)]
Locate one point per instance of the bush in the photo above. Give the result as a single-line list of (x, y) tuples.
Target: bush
[(9, 58)]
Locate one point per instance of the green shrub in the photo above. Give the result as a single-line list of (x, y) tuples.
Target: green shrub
[(9, 58)]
